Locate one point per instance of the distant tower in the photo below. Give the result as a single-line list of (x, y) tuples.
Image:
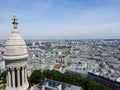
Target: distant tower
[(15, 56)]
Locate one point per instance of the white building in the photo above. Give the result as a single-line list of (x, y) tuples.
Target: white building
[(15, 56)]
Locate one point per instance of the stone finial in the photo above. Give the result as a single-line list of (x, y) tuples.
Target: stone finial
[(14, 21)]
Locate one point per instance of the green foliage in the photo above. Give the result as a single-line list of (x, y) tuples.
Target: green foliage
[(30, 85), (85, 83), (3, 87), (3, 76), (36, 77)]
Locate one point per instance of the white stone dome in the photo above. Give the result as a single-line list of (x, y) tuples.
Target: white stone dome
[(15, 47)]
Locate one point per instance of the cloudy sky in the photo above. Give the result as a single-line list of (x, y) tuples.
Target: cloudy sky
[(62, 19)]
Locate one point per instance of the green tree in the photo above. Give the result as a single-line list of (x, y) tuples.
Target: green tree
[(85, 83), (36, 77), (3, 76)]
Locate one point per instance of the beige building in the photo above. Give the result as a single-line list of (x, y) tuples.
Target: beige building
[(15, 56)]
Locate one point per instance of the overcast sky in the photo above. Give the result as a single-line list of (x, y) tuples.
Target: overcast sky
[(62, 19)]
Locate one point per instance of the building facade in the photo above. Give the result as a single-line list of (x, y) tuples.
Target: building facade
[(109, 83)]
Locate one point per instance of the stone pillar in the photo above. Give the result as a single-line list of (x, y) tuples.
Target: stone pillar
[(9, 79), (25, 75), (18, 77), (13, 77), (23, 78)]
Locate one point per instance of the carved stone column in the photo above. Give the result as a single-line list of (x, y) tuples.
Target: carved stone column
[(9, 79), (25, 75), (13, 77), (18, 77), (23, 78)]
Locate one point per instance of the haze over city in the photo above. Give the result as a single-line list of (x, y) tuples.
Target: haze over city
[(62, 19)]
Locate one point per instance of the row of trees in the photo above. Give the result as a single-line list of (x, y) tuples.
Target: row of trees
[(85, 83)]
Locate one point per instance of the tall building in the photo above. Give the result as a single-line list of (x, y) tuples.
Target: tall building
[(15, 56)]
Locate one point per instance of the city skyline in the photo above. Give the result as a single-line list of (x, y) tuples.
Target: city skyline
[(58, 19)]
